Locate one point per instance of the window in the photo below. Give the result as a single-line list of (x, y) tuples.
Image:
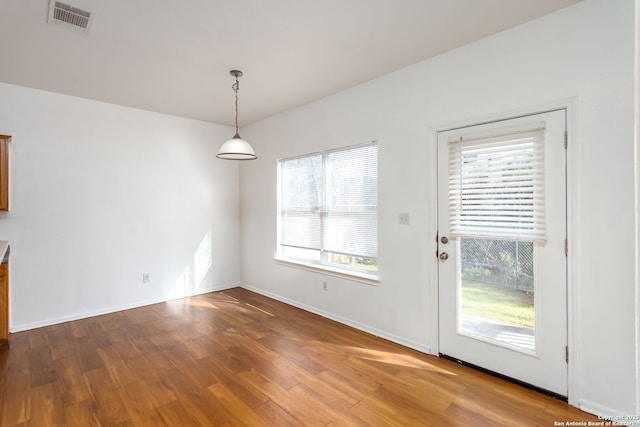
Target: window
[(328, 208)]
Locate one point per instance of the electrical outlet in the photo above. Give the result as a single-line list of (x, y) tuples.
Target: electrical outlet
[(404, 218), (324, 286), (146, 278)]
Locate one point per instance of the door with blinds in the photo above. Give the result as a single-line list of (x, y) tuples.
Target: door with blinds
[(501, 248)]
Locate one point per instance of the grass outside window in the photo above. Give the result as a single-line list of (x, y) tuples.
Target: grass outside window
[(506, 306)]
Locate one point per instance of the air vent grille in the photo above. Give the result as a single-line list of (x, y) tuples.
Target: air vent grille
[(69, 16)]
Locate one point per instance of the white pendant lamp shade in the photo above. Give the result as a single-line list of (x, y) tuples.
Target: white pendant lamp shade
[(236, 149)]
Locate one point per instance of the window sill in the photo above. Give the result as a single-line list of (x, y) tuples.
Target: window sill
[(369, 279)]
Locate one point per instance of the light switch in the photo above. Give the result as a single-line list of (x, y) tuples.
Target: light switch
[(404, 218)]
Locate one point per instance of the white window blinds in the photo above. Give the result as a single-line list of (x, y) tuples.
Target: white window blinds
[(496, 186), (329, 205), (302, 200), (352, 201)]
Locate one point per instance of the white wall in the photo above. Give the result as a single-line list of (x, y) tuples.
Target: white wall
[(637, 173), (100, 194), (586, 52)]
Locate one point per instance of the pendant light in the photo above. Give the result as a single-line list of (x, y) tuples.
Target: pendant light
[(236, 148)]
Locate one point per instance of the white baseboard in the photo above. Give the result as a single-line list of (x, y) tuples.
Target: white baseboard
[(108, 310), (357, 325), (607, 414)]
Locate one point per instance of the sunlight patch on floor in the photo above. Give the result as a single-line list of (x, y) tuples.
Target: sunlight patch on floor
[(198, 302), (259, 309), (395, 359)]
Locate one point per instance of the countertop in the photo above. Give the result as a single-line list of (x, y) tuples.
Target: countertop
[(4, 245)]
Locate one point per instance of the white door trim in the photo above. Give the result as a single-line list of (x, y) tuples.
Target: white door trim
[(573, 220)]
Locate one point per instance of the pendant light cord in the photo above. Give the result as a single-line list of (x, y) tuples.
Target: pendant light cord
[(236, 87)]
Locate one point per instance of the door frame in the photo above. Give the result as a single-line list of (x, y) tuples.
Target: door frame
[(572, 223)]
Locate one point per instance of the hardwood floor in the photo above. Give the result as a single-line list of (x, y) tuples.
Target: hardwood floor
[(238, 358)]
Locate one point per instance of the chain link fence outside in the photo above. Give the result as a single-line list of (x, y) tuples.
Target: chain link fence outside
[(503, 263)]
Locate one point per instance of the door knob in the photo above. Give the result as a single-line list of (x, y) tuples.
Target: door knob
[(444, 256), (444, 239)]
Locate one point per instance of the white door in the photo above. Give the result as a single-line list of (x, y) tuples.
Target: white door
[(501, 248)]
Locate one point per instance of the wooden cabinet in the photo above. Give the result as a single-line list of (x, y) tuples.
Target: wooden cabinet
[(4, 305), (4, 172)]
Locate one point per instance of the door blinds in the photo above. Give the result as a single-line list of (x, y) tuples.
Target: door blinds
[(496, 186)]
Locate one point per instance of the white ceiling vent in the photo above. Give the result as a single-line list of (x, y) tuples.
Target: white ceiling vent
[(69, 17)]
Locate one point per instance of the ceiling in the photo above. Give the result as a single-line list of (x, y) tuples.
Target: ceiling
[(174, 57)]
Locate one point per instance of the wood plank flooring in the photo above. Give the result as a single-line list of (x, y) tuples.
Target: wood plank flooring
[(235, 358)]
